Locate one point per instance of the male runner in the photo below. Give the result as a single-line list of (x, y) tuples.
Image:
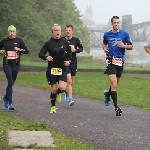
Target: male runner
[(114, 44), (56, 72), (76, 47)]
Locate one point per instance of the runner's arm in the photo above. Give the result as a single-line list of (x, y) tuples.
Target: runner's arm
[(79, 47), (1, 47), (105, 44), (43, 51), (128, 45), (23, 48), (69, 52)]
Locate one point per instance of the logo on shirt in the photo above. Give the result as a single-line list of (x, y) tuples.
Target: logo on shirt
[(114, 41)]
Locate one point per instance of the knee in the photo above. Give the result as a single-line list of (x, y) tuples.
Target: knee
[(113, 85), (10, 83)]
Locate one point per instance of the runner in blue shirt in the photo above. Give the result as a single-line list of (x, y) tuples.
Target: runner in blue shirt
[(114, 44)]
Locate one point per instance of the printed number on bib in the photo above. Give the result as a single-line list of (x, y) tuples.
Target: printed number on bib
[(12, 55), (56, 71), (117, 61)]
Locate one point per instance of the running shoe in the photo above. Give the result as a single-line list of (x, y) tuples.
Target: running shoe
[(107, 98), (6, 103), (11, 106), (66, 97), (71, 102), (58, 98), (53, 109), (118, 111)]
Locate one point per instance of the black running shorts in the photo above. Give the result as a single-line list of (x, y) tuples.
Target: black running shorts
[(72, 70), (53, 79), (113, 69)]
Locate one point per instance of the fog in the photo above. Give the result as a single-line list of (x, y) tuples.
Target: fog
[(103, 10), (100, 13)]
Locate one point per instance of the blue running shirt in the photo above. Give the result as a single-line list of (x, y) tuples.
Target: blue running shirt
[(111, 39)]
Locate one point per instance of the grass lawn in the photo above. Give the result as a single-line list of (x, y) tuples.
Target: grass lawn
[(62, 142), (83, 63), (92, 64)]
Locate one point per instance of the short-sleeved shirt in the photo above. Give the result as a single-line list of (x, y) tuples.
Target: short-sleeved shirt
[(111, 39), (147, 42)]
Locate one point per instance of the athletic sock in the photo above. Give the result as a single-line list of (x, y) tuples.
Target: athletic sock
[(114, 98), (53, 98)]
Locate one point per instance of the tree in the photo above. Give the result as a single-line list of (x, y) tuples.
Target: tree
[(35, 18)]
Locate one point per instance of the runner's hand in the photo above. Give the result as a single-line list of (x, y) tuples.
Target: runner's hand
[(49, 58), (106, 50), (67, 63), (121, 45), (2, 51), (73, 48), (16, 48)]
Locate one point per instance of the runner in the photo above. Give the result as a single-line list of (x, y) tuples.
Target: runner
[(11, 47), (76, 47), (56, 70), (114, 44)]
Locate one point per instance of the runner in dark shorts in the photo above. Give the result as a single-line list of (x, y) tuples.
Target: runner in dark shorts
[(114, 44), (57, 49), (76, 47)]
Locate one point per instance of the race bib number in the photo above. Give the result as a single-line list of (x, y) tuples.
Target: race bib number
[(117, 61), (12, 55), (56, 71)]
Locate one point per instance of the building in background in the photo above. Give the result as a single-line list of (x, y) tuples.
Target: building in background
[(96, 32), (138, 32)]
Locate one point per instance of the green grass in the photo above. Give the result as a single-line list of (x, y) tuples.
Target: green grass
[(83, 63), (62, 142), (133, 91)]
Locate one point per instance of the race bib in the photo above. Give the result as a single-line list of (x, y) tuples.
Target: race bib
[(56, 71), (12, 55), (117, 61)]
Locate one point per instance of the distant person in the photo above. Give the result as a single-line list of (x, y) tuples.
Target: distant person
[(11, 47), (76, 47), (57, 49), (147, 45), (115, 42)]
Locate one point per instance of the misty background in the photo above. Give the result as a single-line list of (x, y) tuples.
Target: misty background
[(103, 10), (134, 17)]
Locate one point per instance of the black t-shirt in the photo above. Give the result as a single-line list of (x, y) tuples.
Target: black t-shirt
[(57, 49), (11, 56), (78, 46)]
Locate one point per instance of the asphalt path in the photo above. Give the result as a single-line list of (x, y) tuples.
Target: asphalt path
[(89, 121)]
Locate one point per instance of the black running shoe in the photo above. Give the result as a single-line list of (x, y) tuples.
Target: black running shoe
[(118, 111)]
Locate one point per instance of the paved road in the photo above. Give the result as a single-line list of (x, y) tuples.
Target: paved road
[(88, 120)]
